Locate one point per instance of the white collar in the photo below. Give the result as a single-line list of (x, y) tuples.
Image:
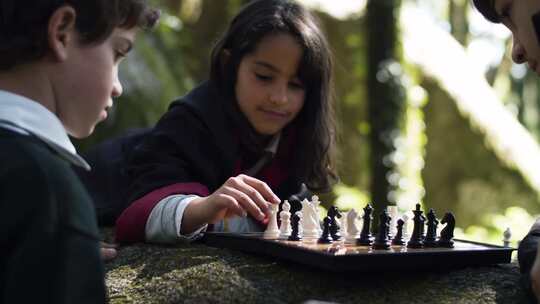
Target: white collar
[(18, 113), (273, 145)]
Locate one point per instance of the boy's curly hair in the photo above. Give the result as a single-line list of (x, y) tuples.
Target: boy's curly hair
[(24, 23), (487, 8)]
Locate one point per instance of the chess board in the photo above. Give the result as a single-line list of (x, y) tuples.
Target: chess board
[(343, 257)]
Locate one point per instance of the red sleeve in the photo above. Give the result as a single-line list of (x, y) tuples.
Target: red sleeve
[(130, 226)]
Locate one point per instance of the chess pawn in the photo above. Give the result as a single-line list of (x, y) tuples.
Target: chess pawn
[(352, 228), (272, 230), (507, 236), (285, 217), (295, 223), (326, 238), (398, 238)]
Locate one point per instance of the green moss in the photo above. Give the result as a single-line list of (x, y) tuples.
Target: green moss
[(195, 273)]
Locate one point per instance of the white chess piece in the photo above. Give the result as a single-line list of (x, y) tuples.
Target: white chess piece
[(406, 220), (272, 230), (352, 228), (309, 223), (315, 202), (343, 225), (507, 237), (285, 217), (393, 213)]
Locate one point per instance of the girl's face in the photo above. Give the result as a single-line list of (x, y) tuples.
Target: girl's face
[(516, 16), (268, 90)]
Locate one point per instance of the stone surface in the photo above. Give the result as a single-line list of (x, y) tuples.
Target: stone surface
[(195, 273)]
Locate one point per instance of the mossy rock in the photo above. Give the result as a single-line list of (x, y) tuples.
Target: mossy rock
[(195, 273)]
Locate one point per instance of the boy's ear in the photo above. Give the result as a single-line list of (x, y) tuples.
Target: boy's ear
[(61, 31)]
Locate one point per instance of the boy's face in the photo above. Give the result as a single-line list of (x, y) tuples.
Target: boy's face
[(87, 80), (516, 15)]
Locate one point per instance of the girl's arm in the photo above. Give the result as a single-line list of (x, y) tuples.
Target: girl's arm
[(240, 195)]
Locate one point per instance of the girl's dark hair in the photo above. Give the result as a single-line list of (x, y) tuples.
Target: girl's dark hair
[(314, 127), (24, 24), (487, 8)]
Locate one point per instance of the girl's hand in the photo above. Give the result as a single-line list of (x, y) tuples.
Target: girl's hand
[(240, 195)]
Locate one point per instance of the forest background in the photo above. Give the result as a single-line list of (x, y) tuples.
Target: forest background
[(430, 107)]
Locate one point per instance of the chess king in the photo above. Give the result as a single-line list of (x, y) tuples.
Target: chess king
[(522, 18)]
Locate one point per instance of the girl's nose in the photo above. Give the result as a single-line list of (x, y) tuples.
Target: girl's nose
[(278, 95)]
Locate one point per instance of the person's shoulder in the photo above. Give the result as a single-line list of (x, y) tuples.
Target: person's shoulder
[(29, 161)]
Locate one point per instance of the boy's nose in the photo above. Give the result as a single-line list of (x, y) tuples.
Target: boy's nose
[(518, 51), (117, 88)]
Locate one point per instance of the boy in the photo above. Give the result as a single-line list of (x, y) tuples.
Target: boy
[(522, 18), (58, 72)]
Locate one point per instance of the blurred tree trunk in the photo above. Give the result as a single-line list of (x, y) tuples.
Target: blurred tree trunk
[(458, 14), (386, 97)]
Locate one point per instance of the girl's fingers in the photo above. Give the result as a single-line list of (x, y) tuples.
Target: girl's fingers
[(229, 201), (246, 201), (261, 188)]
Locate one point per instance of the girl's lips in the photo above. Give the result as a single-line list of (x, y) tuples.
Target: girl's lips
[(276, 114)]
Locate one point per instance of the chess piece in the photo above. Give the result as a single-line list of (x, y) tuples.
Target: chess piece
[(366, 238), (343, 225), (393, 213), (382, 241), (507, 236), (352, 229), (447, 233), (295, 223), (272, 230), (334, 215), (285, 218), (326, 238), (398, 238), (416, 240), (405, 219), (432, 222), (310, 229), (315, 203)]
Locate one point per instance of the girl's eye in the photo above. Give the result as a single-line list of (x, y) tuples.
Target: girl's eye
[(296, 85), (263, 77)]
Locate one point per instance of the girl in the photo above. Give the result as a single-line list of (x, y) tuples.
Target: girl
[(259, 128)]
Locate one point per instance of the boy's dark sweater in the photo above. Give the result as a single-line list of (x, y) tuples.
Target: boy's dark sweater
[(48, 234)]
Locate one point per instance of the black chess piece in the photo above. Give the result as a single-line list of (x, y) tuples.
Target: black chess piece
[(334, 214), (422, 226), (295, 222), (447, 233), (416, 240), (432, 222), (326, 238), (382, 241), (398, 238), (366, 239)]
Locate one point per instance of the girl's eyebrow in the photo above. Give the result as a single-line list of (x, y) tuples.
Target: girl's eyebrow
[(267, 65)]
